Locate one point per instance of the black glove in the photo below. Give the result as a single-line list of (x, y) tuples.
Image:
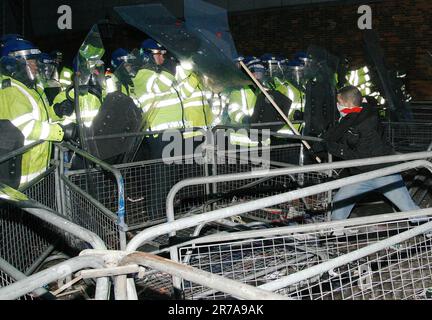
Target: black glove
[(246, 120), (70, 132), (298, 115), (64, 108)]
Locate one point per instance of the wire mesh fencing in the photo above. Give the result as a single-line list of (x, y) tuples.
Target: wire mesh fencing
[(401, 271), (88, 213), (146, 187), (6, 280), (223, 194), (408, 137), (24, 238), (148, 183)]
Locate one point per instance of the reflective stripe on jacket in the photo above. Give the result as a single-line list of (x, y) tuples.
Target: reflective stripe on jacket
[(26, 109)]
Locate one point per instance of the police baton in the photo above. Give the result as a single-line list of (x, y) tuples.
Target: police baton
[(274, 104)]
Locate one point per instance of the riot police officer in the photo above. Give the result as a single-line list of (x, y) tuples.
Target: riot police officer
[(24, 105)]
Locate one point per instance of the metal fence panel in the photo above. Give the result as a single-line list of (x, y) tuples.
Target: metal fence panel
[(147, 185), (6, 280), (408, 137), (403, 271), (23, 238), (91, 216)]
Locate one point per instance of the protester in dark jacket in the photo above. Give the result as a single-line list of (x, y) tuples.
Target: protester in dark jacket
[(358, 135)]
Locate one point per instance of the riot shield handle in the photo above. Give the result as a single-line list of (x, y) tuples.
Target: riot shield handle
[(278, 109)]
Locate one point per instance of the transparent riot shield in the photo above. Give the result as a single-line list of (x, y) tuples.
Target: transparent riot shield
[(88, 85), (275, 70), (12, 139), (214, 68), (320, 108), (264, 112), (212, 23), (114, 133), (400, 109), (295, 74)]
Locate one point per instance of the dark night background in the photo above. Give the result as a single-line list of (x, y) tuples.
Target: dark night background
[(259, 26)]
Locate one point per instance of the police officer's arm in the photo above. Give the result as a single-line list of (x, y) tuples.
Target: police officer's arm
[(235, 108), (53, 110), (187, 82), (32, 128)]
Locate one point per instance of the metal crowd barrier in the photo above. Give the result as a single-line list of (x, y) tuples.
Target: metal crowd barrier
[(409, 136), (94, 198), (375, 258), (146, 185), (242, 208), (287, 258), (24, 240), (22, 245), (32, 228)]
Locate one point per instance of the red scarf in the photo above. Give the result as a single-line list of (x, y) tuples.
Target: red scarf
[(351, 110)]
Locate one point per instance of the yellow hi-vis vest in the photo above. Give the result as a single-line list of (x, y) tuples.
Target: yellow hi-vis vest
[(27, 110)]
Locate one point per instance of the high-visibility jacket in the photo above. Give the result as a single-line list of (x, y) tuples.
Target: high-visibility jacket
[(113, 84), (160, 102), (27, 110), (218, 105), (196, 106), (66, 78), (170, 101), (89, 108), (241, 104), (361, 79), (298, 102)]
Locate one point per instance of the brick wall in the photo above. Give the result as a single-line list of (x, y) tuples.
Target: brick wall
[(404, 26)]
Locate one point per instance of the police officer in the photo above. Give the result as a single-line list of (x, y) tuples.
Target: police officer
[(91, 91), (23, 103), (280, 77), (171, 97), (242, 103), (51, 83), (120, 79)]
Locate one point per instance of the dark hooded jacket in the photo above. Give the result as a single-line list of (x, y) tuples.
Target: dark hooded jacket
[(357, 136)]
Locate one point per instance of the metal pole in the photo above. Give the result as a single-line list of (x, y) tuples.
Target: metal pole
[(323, 227), (64, 197), (120, 287), (267, 95), (207, 279), (344, 259), (102, 288), (57, 180), (238, 209), (18, 275), (51, 217), (121, 211), (40, 279), (41, 259), (19, 151)]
